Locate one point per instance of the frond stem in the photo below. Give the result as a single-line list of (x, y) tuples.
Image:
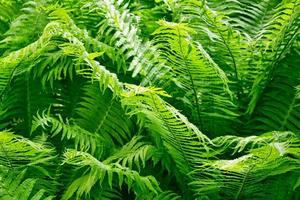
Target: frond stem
[(28, 107), (105, 116)]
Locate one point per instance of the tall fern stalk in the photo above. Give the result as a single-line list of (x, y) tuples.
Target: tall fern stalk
[(150, 99)]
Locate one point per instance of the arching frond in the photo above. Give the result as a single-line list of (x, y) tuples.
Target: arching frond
[(83, 140), (167, 196), (15, 186), (205, 87), (11, 61), (134, 152), (230, 49), (9, 10), (245, 177), (21, 101), (246, 16), (125, 36), (118, 27), (98, 172), (160, 99), (34, 15), (278, 35), (279, 107), (107, 118), (17, 155), (18, 152), (185, 143), (242, 144)]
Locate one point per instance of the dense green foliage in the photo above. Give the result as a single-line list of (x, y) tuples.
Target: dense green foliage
[(150, 99)]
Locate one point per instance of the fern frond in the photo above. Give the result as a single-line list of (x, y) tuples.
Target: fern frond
[(126, 37), (167, 196), (15, 186), (247, 16), (83, 140), (19, 154), (278, 35), (185, 143), (100, 113), (245, 176), (279, 106), (204, 85), (227, 45), (18, 35), (95, 75), (22, 100), (240, 144), (118, 28), (134, 152), (12, 60), (17, 151), (9, 63), (95, 70), (9, 10), (98, 172)]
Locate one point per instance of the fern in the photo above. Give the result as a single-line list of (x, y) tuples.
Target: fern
[(139, 99), (284, 117), (242, 177), (107, 119), (193, 69), (32, 14), (19, 157), (134, 152), (98, 171), (286, 27), (17, 151), (15, 187), (168, 123), (83, 140)]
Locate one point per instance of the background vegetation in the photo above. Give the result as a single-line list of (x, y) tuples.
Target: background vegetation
[(149, 99)]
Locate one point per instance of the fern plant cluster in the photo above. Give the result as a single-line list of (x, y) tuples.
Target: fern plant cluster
[(150, 99)]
